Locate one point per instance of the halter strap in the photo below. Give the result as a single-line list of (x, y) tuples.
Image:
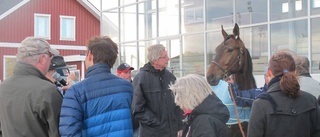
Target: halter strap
[(227, 70)]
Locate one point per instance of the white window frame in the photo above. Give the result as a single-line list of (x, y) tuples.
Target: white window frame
[(73, 31), (48, 37)]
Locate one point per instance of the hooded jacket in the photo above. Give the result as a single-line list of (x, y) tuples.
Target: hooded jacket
[(29, 104), (208, 119), (153, 103)]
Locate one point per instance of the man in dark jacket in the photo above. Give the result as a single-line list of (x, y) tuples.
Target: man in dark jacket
[(153, 102), (29, 102), (99, 105)]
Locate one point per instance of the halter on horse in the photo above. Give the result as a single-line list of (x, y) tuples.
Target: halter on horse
[(232, 58)]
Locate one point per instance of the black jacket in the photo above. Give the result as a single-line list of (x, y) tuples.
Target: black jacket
[(153, 103), (208, 119)]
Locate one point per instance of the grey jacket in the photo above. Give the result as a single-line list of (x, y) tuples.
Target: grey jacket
[(310, 85), (29, 104), (291, 117)]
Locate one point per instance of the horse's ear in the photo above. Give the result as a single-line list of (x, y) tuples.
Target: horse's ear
[(236, 31), (224, 33)]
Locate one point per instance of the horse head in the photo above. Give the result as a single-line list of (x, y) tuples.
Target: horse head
[(232, 57)]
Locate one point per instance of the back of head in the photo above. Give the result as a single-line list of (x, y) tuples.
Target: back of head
[(104, 50), (282, 65), (154, 52), (302, 65), (32, 47), (190, 91)]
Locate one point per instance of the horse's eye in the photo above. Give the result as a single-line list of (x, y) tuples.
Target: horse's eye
[(230, 49)]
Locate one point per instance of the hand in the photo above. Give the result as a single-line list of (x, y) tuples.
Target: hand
[(180, 133), (230, 80)]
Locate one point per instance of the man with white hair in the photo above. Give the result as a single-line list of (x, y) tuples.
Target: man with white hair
[(29, 102)]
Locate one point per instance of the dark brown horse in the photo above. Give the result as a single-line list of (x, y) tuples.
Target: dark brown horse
[(232, 57)]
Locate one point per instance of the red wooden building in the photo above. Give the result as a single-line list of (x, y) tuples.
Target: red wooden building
[(66, 24)]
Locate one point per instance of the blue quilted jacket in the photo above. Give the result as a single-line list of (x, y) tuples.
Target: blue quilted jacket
[(97, 106)]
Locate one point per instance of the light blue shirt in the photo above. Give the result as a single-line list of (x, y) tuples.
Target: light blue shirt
[(222, 91)]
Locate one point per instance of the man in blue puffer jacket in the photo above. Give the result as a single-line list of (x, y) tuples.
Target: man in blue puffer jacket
[(100, 104)]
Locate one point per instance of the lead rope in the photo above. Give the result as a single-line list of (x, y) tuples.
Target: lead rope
[(236, 110)]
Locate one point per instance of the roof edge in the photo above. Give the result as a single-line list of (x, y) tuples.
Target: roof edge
[(14, 8)]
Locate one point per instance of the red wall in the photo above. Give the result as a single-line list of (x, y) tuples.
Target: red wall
[(20, 24)]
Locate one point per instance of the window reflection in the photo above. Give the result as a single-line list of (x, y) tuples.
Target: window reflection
[(192, 16), (251, 11), (284, 9), (290, 35), (193, 54), (315, 41)]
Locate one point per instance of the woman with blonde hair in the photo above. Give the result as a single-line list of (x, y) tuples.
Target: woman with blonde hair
[(206, 115), (285, 110)]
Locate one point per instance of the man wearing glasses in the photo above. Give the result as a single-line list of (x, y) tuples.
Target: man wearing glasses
[(29, 102), (153, 103)]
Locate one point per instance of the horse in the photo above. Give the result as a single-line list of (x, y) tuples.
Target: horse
[(232, 57)]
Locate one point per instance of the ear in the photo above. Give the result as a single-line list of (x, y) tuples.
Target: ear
[(236, 32), (42, 60), (90, 56), (224, 33)]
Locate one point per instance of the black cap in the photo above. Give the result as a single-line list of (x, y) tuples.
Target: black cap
[(57, 62), (124, 67)]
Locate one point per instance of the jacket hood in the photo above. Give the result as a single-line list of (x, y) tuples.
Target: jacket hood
[(148, 67), (213, 106)]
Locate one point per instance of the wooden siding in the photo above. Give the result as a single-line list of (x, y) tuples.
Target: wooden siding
[(20, 24)]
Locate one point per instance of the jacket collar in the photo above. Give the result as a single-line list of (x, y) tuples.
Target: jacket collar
[(97, 69), (22, 68)]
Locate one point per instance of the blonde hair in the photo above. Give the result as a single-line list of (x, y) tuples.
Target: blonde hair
[(189, 91)]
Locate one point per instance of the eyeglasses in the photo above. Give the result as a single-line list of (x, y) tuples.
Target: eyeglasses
[(50, 54), (165, 57)]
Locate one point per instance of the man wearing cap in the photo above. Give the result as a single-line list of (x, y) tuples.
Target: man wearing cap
[(56, 63), (124, 71), (29, 102)]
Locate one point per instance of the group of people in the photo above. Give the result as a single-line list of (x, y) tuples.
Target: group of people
[(155, 103)]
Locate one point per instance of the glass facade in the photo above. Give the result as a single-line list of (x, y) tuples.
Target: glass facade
[(191, 30)]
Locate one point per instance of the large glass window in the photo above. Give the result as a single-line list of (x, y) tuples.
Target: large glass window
[(291, 35), (168, 17), (147, 20), (251, 11), (67, 28), (219, 12), (315, 40), (286, 9), (192, 17), (315, 7), (256, 41), (110, 25), (193, 54), (42, 25), (128, 23), (129, 54)]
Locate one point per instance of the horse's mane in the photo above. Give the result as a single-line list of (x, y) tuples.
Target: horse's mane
[(245, 78)]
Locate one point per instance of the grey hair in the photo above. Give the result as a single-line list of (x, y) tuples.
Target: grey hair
[(154, 52), (189, 91), (31, 48), (302, 65)]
